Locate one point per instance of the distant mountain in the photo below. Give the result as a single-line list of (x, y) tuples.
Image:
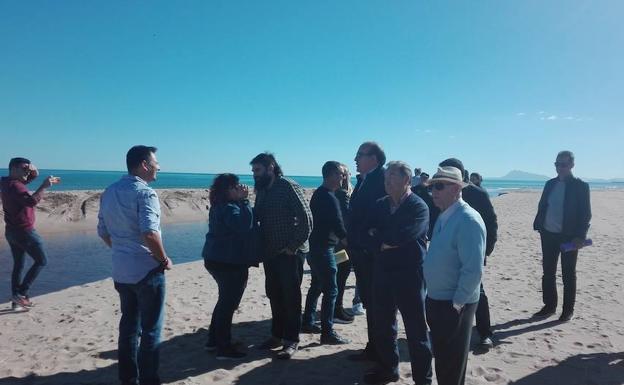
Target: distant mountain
[(523, 175)]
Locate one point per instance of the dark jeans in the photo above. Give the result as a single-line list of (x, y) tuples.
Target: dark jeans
[(232, 284), (22, 242), (344, 269), (450, 336), (482, 316), (323, 265), (363, 267), (142, 313), (551, 244), (403, 291), (283, 287)]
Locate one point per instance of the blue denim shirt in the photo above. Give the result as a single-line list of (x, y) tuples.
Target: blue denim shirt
[(129, 208)]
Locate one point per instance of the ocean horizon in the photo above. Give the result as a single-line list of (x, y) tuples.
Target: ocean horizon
[(99, 180)]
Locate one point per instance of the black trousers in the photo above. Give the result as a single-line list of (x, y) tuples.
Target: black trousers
[(482, 316), (551, 243), (344, 269), (450, 337), (284, 274), (363, 267)]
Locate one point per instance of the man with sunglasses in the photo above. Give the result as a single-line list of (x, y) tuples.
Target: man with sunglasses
[(18, 205), (563, 215), (452, 269), (369, 160)]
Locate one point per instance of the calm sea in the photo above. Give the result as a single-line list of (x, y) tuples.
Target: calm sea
[(98, 180)]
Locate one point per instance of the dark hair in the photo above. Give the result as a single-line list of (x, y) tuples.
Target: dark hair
[(220, 186), (266, 159), (566, 153), (453, 162), (375, 149), (15, 161), (330, 167), (138, 154)]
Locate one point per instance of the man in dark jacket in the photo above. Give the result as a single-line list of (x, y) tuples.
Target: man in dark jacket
[(563, 216), (369, 159), (479, 200)]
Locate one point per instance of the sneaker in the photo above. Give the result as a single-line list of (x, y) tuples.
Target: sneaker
[(333, 339), (486, 342), (566, 316), (16, 307), (230, 354), (378, 377), (288, 351), (311, 329), (544, 312), (22, 300), (340, 317), (270, 344), (358, 309)]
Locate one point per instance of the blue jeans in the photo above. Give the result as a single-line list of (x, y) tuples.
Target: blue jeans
[(324, 269), (22, 242), (142, 313), (284, 273), (231, 285)]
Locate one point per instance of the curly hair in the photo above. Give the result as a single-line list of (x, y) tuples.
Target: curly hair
[(220, 187)]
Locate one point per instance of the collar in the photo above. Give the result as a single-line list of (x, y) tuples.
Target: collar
[(134, 178), (394, 208)]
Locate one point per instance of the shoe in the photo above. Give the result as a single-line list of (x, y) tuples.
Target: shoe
[(288, 351), (380, 378), (340, 317), (270, 344), (311, 329), (333, 339), (566, 316), (544, 312), (16, 307), (230, 354), (486, 342), (22, 300), (358, 309)]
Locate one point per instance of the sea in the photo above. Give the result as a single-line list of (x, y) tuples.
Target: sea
[(79, 258)]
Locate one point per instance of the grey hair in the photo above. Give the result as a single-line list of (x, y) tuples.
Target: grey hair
[(403, 168), (566, 153)]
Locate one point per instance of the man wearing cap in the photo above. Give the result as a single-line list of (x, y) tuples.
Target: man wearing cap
[(18, 205), (479, 200), (563, 216), (452, 270)]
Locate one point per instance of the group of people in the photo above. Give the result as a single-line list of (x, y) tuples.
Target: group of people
[(418, 248)]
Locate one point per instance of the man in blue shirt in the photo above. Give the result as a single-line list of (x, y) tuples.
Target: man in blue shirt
[(453, 268), (129, 223)]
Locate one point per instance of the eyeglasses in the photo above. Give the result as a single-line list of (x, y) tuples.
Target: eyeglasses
[(562, 164), (440, 186)]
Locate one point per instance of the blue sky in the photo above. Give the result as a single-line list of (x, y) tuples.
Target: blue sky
[(501, 85)]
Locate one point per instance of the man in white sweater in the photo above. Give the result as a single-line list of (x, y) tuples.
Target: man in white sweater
[(452, 269)]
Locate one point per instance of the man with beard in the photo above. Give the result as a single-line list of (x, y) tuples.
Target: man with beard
[(369, 159), (285, 225)]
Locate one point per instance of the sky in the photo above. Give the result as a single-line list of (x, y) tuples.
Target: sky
[(501, 85)]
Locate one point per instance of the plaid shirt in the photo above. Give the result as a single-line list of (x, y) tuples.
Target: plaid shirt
[(285, 217)]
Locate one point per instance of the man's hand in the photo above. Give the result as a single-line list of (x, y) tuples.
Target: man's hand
[(167, 264)]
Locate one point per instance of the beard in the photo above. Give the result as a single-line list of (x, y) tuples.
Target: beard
[(262, 182)]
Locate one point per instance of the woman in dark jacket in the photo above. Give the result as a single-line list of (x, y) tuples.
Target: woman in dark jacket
[(227, 254)]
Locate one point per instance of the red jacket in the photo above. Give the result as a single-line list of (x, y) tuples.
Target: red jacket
[(18, 204)]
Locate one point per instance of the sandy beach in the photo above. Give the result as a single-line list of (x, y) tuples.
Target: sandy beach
[(70, 336)]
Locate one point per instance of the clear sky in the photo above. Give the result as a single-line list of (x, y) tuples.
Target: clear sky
[(501, 85)]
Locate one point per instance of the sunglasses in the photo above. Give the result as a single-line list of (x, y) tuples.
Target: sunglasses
[(562, 164), (440, 186)]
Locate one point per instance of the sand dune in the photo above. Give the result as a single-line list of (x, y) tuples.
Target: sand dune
[(70, 336)]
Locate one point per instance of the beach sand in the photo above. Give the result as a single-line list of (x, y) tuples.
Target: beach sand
[(70, 336)]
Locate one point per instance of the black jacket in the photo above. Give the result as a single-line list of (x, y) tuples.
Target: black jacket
[(479, 200), (576, 207), (361, 206)]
